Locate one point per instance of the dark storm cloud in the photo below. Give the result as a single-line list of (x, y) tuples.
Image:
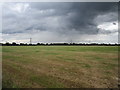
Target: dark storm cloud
[(85, 13), (70, 15), (51, 20), (79, 16)]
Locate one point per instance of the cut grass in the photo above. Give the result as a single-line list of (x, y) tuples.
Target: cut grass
[(60, 66), (47, 81)]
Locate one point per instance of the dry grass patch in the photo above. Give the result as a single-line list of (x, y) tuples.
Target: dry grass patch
[(60, 66)]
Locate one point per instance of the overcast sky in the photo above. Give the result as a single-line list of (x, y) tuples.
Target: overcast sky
[(48, 22)]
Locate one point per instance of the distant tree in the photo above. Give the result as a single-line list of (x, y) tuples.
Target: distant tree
[(7, 43), (13, 44), (38, 43), (21, 44), (25, 44), (47, 44), (30, 44)]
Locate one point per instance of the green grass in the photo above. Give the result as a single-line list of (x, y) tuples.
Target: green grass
[(47, 81), (60, 66)]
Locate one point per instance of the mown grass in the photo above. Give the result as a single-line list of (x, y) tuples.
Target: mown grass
[(60, 66)]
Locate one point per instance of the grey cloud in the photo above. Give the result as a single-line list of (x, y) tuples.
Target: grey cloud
[(60, 18), (78, 16), (107, 32)]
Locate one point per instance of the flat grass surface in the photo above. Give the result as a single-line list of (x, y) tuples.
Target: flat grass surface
[(60, 66)]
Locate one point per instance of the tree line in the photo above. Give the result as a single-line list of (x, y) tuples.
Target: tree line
[(55, 44)]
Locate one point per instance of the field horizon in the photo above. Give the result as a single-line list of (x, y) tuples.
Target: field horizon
[(60, 44)]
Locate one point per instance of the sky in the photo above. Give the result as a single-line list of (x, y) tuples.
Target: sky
[(58, 22)]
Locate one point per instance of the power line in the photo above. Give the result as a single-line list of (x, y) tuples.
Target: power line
[(30, 40)]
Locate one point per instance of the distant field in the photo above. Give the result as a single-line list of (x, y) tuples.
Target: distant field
[(60, 66)]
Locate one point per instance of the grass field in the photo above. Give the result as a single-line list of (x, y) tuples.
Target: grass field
[(60, 66)]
